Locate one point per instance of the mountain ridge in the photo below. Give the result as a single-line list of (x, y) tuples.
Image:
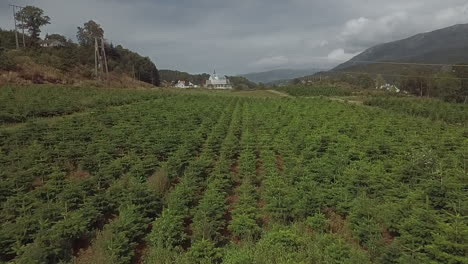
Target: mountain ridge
[(278, 75), (445, 46)]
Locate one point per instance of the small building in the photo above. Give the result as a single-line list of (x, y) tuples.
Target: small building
[(51, 43), (185, 84), (216, 82), (390, 88)]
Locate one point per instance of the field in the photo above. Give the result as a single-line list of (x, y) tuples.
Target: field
[(115, 176), (324, 90)]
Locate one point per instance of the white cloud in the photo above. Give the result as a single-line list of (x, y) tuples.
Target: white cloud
[(323, 43), (364, 31), (354, 27)]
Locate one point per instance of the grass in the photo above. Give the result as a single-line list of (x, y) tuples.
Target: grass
[(243, 93)]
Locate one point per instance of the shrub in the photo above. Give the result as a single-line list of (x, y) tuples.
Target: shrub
[(168, 231), (125, 231), (6, 61), (245, 227), (318, 222), (283, 240), (204, 251)]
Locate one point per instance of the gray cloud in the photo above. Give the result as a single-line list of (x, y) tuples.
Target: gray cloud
[(248, 35), (362, 32)]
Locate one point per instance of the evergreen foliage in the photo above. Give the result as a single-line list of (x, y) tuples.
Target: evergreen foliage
[(174, 177), (308, 91)]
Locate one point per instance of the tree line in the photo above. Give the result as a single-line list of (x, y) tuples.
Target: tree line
[(56, 51), (450, 85)]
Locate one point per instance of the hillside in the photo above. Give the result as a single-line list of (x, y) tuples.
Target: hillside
[(448, 46), (443, 46), (169, 77), (278, 75), (69, 62)]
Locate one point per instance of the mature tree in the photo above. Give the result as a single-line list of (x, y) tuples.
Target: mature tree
[(379, 81), (365, 81), (241, 83), (57, 37), (88, 32), (7, 39), (174, 76), (146, 71), (415, 85), (462, 73), (33, 18), (446, 86)]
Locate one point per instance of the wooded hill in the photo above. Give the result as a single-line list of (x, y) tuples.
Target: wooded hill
[(278, 75), (170, 77), (67, 62), (444, 46)]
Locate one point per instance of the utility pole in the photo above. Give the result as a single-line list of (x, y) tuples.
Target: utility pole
[(22, 27), (96, 53), (16, 28), (103, 49), (16, 25), (100, 59), (97, 59)]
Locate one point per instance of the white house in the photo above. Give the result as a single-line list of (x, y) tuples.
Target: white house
[(216, 82), (390, 88), (185, 84), (51, 43)]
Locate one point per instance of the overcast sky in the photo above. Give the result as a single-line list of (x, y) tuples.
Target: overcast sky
[(240, 36)]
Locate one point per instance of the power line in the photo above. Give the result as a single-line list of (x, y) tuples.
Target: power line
[(399, 75), (322, 59), (411, 63), (395, 75), (402, 75)]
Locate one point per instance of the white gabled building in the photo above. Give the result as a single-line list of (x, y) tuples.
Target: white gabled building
[(216, 82), (185, 84), (51, 43), (390, 88)]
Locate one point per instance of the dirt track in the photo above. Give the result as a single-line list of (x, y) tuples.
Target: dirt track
[(279, 93)]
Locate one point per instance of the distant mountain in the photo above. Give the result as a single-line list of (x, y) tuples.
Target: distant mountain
[(447, 46), (282, 82), (278, 75)]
